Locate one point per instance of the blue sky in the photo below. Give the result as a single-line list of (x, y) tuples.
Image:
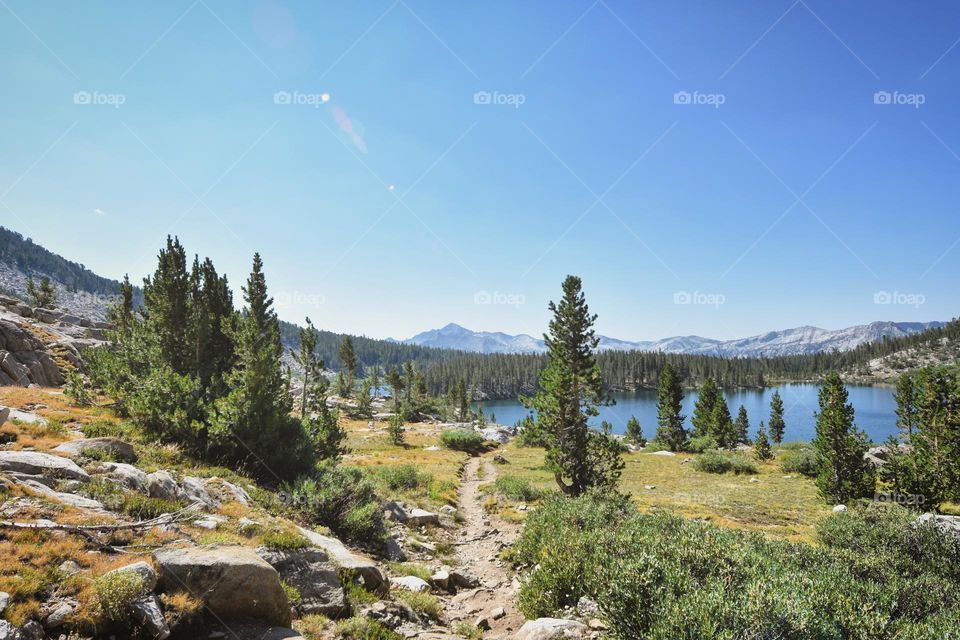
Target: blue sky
[(720, 169)]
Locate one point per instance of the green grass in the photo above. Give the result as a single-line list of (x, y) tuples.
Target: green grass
[(788, 508), (411, 569), (423, 603)]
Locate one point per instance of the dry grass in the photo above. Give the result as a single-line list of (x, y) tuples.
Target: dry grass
[(788, 508)]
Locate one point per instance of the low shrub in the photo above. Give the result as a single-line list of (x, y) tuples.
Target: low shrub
[(284, 540), (874, 576), (362, 628), (803, 461), (341, 499), (516, 488), (467, 630), (411, 569), (401, 476), (701, 444), (422, 603), (113, 595), (462, 440), (713, 461)]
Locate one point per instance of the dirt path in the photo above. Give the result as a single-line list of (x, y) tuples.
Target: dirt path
[(482, 537)]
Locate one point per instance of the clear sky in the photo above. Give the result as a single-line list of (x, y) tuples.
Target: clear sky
[(711, 168)]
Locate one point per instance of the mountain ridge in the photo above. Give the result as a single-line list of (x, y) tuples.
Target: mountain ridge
[(805, 339)]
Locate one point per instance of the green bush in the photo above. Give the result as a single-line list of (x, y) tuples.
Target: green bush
[(874, 576), (362, 628), (701, 444), (284, 539), (803, 461), (423, 603), (517, 488), (402, 476), (341, 499), (462, 440), (714, 461), (113, 594)]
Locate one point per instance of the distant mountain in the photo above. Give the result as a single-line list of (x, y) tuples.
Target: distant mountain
[(801, 340)]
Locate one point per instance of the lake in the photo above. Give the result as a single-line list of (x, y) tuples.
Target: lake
[(874, 406)]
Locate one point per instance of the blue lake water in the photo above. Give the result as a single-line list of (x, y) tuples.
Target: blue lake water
[(874, 406)]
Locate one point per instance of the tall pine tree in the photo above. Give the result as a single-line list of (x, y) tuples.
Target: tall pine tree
[(670, 431), (776, 425), (703, 410), (840, 446)]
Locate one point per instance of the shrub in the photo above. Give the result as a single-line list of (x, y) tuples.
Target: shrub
[(516, 488), (411, 569), (77, 389), (423, 603), (462, 440), (467, 630), (284, 539), (402, 476), (341, 499), (803, 461), (700, 444), (660, 577), (361, 628), (714, 461), (113, 595)]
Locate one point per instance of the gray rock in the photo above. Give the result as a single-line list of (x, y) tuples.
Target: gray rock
[(420, 517), (195, 490), (441, 579), (146, 612), (227, 491), (840, 508), (314, 576), (45, 464), (122, 451), (7, 631), (127, 474), (4, 414), (69, 568), (142, 569), (668, 454), (58, 617), (394, 551), (366, 570), (31, 631), (66, 498), (464, 579), (233, 581), (410, 583), (552, 629), (4, 600), (161, 484), (946, 524), (498, 613)]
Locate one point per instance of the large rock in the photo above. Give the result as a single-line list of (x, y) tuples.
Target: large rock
[(314, 576), (113, 447), (552, 629), (234, 582), (45, 464), (195, 490), (126, 474), (410, 583), (70, 499), (148, 616), (161, 484), (142, 569), (946, 524), (365, 569)]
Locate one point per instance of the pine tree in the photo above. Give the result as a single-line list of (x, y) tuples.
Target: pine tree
[(840, 446), (375, 381), (121, 313), (571, 389), (166, 300), (777, 425), (396, 430), (310, 364), (349, 360), (936, 438), (634, 434), (743, 426), (395, 380), (761, 448), (670, 431), (254, 418), (724, 430), (408, 379), (464, 398), (703, 410), (906, 404), (45, 295), (326, 435)]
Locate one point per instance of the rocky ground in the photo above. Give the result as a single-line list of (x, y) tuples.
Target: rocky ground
[(103, 532)]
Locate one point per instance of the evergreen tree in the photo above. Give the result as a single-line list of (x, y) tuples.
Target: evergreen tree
[(761, 448), (704, 409), (743, 426), (906, 404), (166, 300), (121, 313), (571, 391), (408, 379), (45, 295), (776, 425), (670, 431), (310, 364), (348, 358), (364, 401), (840, 446), (326, 435), (936, 437), (395, 380), (464, 400), (255, 417), (375, 381), (724, 430), (634, 434), (396, 430)]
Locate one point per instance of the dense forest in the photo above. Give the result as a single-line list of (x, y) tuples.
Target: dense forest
[(508, 375)]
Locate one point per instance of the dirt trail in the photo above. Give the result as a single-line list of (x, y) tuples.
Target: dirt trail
[(480, 541)]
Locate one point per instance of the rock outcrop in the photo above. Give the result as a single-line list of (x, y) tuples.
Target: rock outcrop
[(232, 581), (312, 574)]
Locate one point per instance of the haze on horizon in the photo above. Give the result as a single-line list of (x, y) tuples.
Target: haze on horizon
[(722, 172)]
